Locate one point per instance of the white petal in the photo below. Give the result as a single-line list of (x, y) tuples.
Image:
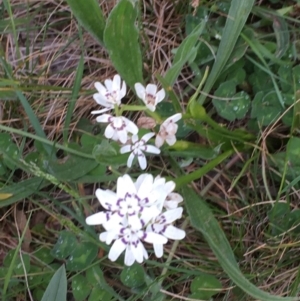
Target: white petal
[(106, 198), (147, 137), (101, 89), (108, 236), (151, 89), (159, 140), (109, 132), (109, 85), (101, 100), (100, 111), (171, 140), (117, 248), (125, 149), (145, 186), (173, 118), (129, 256), (140, 180), (130, 160), (116, 83), (172, 232), (151, 107), (134, 139), (173, 215), (158, 250), (123, 90), (134, 222), (96, 219), (152, 149), (130, 126), (124, 186), (122, 135), (142, 161), (160, 95), (138, 252), (103, 118), (140, 90), (152, 238)]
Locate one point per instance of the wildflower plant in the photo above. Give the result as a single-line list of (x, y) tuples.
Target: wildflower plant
[(141, 211), (155, 147)]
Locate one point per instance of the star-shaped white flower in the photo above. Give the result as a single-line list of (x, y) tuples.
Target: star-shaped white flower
[(130, 239), (137, 149), (109, 95), (132, 204), (163, 225), (118, 127), (149, 95), (168, 130)]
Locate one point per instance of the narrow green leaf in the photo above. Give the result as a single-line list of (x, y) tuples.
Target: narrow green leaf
[(73, 99), (24, 102), (237, 17), (57, 288), (121, 40), (22, 190), (13, 261), (90, 16), (184, 53), (204, 221)]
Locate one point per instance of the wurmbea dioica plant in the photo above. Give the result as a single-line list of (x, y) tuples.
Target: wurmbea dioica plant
[(143, 210)]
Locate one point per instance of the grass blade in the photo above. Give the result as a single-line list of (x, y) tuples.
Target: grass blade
[(73, 99), (90, 16), (238, 14), (204, 221)]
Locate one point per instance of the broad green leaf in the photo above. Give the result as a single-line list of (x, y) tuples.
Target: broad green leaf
[(121, 39), (184, 53), (70, 168), (95, 275), (80, 289), (266, 108), (57, 288), (81, 256), (205, 286), (133, 276), (90, 16), (204, 221), (237, 17), (65, 245)]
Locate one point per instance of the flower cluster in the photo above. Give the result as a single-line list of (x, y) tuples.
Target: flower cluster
[(125, 131), (140, 211)]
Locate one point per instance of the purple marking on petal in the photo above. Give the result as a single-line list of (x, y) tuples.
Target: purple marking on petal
[(123, 240), (144, 236)]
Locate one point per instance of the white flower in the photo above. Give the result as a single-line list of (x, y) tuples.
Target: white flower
[(130, 204), (118, 127), (168, 130), (137, 148), (162, 225), (129, 239), (109, 95), (132, 216), (149, 95)]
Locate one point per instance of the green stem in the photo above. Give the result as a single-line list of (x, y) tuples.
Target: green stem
[(184, 180)]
